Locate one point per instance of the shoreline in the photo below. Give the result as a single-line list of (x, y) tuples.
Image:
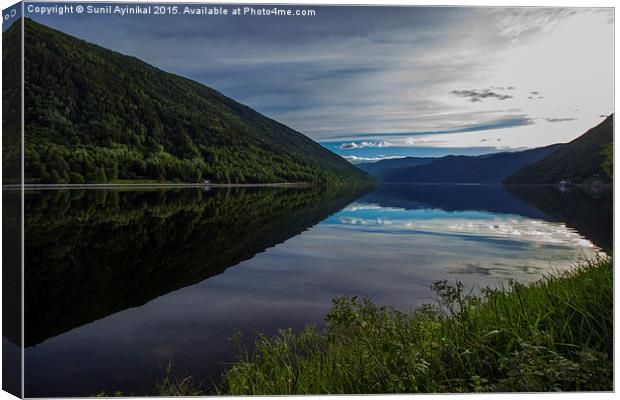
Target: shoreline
[(605, 185), (150, 185)]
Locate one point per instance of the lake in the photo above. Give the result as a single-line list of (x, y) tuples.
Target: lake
[(121, 283)]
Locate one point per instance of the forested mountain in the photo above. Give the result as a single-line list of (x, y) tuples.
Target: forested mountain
[(379, 168), (11, 105), (488, 168), (94, 115), (577, 161)]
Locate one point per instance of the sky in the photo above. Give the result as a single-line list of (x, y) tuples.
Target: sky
[(384, 82)]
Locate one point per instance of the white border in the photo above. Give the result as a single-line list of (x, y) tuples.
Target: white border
[(498, 3)]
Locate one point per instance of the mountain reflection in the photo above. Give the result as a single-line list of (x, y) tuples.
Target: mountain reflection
[(588, 212), (92, 253)]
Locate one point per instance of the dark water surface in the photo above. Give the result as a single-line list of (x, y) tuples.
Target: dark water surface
[(120, 283)]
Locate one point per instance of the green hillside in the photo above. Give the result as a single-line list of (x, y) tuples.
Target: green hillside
[(11, 105), (94, 115), (578, 161)]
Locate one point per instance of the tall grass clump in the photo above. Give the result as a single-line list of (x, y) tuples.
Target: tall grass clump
[(552, 335)]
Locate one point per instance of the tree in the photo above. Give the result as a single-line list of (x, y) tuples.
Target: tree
[(76, 178), (608, 162), (100, 175)]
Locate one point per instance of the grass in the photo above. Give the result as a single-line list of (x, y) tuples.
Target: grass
[(552, 335)]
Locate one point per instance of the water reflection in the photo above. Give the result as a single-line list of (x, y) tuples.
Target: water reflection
[(476, 243), (11, 291), (114, 251), (95, 252), (589, 212)]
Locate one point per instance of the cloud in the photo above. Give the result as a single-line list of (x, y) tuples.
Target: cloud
[(356, 159), (414, 139), (370, 207), (475, 95), (559, 119), (360, 145), (517, 23), (404, 142)]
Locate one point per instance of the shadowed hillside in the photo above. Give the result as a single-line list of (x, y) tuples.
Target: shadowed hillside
[(577, 161)]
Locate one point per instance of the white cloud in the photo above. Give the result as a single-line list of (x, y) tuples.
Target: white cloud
[(417, 141), (360, 145), (370, 206), (356, 159)]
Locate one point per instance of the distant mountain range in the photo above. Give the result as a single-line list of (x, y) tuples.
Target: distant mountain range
[(578, 160), (93, 115), (380, 168), (488, 168)]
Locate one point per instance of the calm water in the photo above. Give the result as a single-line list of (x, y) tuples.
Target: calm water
[(121, 283)]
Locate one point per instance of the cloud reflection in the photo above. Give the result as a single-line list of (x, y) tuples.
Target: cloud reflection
[(478, 224)]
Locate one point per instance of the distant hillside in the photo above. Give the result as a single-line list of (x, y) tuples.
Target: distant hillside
[(488, 168), (94, 115), (578, 160), (379, 168)]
